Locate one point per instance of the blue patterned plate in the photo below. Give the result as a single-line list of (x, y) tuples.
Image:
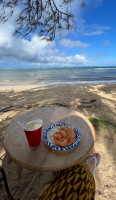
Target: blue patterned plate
[(48, 137)]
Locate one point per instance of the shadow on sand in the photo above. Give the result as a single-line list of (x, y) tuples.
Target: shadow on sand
[(91, 105)]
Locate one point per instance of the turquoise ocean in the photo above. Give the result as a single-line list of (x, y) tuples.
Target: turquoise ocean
[(56, 75)]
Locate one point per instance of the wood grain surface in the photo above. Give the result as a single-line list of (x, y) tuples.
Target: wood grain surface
[(43, 158)]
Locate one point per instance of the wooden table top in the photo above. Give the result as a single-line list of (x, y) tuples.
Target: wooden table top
[(43, 158)]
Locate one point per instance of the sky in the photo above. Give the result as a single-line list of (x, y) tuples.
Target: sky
[(92, 43)]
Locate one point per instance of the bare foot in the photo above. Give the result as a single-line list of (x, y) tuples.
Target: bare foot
[(91, 162)]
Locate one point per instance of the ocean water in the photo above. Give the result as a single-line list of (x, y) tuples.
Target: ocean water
[(56, 75)]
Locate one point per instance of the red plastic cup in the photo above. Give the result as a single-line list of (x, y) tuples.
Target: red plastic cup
[(33, 134)]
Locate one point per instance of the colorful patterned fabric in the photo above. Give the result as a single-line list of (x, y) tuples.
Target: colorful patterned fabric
[(75, 183)]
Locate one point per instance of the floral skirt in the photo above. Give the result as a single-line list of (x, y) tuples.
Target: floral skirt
[(75, 183)]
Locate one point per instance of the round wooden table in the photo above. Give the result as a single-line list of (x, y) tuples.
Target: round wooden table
[(43, 158)]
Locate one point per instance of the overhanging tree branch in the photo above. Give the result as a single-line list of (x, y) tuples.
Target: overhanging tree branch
[(40, 16)]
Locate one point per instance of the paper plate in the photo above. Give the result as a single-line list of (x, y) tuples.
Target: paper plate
[(48, 139)]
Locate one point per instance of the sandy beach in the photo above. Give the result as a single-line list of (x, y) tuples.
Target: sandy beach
[(96, 101)]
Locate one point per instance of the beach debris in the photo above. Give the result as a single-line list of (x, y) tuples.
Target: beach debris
[(88, 102), (84, 106), (27, 106), (92, 100), (60, 104), (8, 108)]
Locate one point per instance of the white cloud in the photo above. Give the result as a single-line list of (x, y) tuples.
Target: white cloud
[(94, 29), (104, 62), (94, 33), (77, 59), (36, 50), (23, 49), (103, 27), (70, 43)]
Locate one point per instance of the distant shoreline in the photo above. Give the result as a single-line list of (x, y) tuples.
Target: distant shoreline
[(2, 84), (22, 87)]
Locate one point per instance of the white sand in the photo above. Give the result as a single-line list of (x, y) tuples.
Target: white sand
[(94, 101)]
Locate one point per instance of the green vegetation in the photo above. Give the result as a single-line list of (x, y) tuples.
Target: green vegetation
[(102, 123)]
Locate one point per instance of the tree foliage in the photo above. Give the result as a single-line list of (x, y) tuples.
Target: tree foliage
[(41, 16)]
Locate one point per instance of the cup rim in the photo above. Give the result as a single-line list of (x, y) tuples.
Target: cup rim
[(32, 119)]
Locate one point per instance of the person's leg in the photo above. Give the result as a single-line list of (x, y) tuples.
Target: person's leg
[(75, 183), (93, 162)]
